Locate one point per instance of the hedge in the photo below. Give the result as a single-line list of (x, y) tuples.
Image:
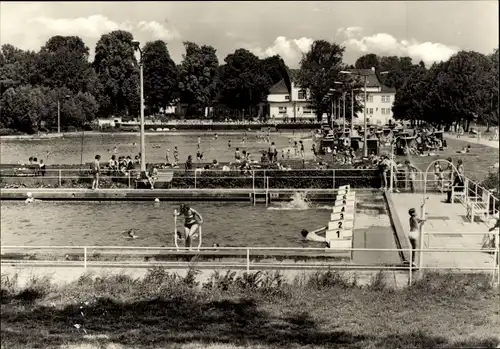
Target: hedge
[(294, 179)]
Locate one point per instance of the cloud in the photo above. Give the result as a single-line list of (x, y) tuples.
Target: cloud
[(290, 50), (96, 25), (386, 44)]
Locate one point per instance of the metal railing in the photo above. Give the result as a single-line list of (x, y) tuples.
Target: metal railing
[(249, 264), (215, 178)]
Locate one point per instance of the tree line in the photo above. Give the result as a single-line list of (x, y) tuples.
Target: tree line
[(462, 90), (34, 84)]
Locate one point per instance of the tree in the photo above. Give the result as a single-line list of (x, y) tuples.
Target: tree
[(63, 62), (24, 108), (243, 81), (319, 69), (198, 76), (491, 116), (465, 86), (368, 61), (275, 68), (407, 103), (117, 74), (160, 76), (17, 67)]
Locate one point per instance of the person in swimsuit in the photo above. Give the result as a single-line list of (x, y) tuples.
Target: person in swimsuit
[(192, 221), (415, 224)]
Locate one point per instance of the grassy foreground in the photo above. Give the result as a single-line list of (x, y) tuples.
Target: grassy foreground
[(256, 310)]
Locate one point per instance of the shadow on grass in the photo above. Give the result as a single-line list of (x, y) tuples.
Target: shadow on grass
[(181, 320)]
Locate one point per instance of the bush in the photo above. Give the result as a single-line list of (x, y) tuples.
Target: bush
[(293, 179)]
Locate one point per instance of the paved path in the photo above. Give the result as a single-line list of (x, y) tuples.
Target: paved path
[(484, 141), (448, 219)]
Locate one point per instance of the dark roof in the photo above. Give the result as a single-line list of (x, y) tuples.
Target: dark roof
[(280, 88), (372, 79)]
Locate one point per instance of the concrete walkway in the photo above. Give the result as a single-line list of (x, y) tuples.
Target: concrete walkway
[(63, 275), (485, 140), (447, 227)]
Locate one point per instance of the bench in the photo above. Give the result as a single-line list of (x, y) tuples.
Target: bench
[(163, 180), (459, 193), (476, 206)]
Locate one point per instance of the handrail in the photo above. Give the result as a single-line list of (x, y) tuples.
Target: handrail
[(495, 269), (251, 248)]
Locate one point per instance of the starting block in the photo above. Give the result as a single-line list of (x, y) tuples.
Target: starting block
[(348, 208), (342, 202), (347, 195), (342, 216), (341, 225), (340, 244), (336, 234)]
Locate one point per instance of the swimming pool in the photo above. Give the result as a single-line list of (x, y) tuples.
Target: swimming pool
[(230, 224), (71, 149)]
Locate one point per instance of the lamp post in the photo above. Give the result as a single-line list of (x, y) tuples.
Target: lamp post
[(137, 47), (59, 114), (391, 184)]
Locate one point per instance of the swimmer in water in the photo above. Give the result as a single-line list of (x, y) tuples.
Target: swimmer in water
[(192, 221), (30, 199), (131, 234), (229, 144), (216, 136)]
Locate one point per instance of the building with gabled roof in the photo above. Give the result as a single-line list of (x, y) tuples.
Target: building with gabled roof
[(288, 101)]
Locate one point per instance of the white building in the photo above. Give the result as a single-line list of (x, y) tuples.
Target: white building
[(379, 99), (289, 101)]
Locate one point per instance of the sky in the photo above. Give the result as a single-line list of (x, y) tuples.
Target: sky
[(423, 30)]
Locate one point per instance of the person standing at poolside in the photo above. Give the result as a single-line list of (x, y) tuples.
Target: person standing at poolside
[(167, 156), (176, 156), (96, 170), (192, 222), (411, 172), (415, 227)]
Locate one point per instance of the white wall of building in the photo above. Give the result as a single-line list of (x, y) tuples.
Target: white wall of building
[(378, 108), (292, 105)]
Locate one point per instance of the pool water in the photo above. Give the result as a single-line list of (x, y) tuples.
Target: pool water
[(104, 223), (68, 150)]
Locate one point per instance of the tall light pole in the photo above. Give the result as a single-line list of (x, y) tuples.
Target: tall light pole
[(343, 99), (352, 110), (365, 132), (137, 47), (365, 81), (59, 114)]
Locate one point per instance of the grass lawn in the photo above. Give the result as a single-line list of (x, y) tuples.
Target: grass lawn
[(326, 311), (477, 163)]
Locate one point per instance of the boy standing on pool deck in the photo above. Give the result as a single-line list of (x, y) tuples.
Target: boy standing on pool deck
[(415, 224)]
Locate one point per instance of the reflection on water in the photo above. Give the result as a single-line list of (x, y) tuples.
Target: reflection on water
[(68, 150)]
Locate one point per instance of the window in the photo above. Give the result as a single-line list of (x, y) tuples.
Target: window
[(369, 110), (386, 99), (369, 98), (287, 97), (308, 110), (302, 94), (282, 110)]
